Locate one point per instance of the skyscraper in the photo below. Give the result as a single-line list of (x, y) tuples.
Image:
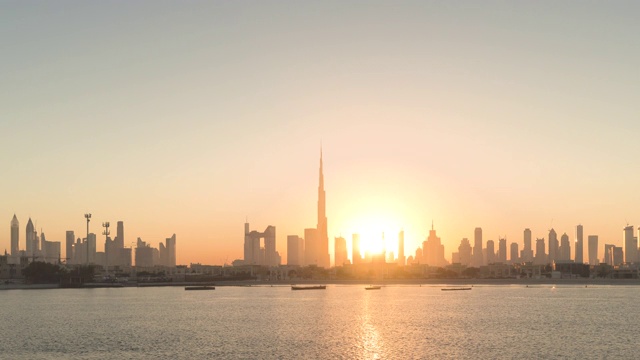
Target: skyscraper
[(565, 248), (120, 235), (608, 254), (617, 255), (527, 252), (593, 249), (340, 252), (630, 245), (401, 259), (502, 250), (295, 250), (464, 252), (433, 249), (491, 252), (553, 246), (311, 247), (579, 252), (171, 249), (70, 237), (32, 242), (356, 257), (477, 247), (513, 258), (541, 257), (15, 236), (91, 243), (323, 237), (254, 254)]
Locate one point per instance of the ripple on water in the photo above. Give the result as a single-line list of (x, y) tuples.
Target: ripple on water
[(342, 322)]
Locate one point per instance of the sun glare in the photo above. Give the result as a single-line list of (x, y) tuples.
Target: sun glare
[(378, 233)]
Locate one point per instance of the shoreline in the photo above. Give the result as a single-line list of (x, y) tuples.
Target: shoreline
[(397, 282)]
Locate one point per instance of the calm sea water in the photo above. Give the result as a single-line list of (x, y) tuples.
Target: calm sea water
[(341, 322)]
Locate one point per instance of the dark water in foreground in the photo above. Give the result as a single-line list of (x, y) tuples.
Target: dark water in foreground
[(341, 322)]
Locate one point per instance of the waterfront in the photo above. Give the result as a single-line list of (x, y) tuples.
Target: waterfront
[(401, 321)]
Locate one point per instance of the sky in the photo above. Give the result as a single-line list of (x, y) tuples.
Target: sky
[(189, 117)]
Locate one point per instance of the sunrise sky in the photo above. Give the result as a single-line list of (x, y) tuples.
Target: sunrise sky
[(186, 117)]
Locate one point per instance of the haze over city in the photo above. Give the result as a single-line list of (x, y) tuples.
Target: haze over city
[(189, 120)]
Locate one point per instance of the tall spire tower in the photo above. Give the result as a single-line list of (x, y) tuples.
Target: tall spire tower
[(323, 238), (15, 238)]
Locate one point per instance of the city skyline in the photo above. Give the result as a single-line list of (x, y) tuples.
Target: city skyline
[(370, 242), (190, 119), (552, 248)]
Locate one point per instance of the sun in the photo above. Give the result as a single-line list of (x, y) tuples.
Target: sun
[(378, 233)]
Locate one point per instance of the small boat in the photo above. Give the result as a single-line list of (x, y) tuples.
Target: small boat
[(204, 287), (373, 287), (455, 289), (310, 287)]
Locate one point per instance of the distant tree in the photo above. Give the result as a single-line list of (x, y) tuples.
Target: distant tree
[(471, 272), (39, 272)]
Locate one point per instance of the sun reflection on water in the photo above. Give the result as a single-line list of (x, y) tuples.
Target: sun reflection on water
[(370, 339)]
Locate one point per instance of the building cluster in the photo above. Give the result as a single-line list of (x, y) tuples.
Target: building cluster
[(36, 247), (83, 251), (547, 252), (149, 257), (313, 249)]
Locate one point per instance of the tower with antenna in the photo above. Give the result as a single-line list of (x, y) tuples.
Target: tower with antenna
[(88, 217), (106, 233)]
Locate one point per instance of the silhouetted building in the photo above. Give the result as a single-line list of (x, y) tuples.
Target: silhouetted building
[(554, 246), (111, 252), (91, 242), (254, 254), (490, 252), (478, 259), (32, 242), (125, 257), (617, 255), (323, 237), (565, 248), (608, 254), (541, 257), (433, 250), (569, 268), (295, 250), (311, 246), (579, 249), (593, 249), (401, 259), (356, 257), (15, 237), (513, 257), (464, 253), (340, 251), (630, 245), (502, 250), (164, 254), (526, 255), (50, 250), (171, 250), (120, 235), (145, 254), (69, 239), (418, 258)]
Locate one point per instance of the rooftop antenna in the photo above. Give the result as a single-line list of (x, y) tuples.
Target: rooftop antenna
[(106, 233), (88, 217)]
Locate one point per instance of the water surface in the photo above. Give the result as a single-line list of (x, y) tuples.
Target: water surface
[(341, 322)]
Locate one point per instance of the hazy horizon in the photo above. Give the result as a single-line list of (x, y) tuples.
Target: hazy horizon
[(188, 117)]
